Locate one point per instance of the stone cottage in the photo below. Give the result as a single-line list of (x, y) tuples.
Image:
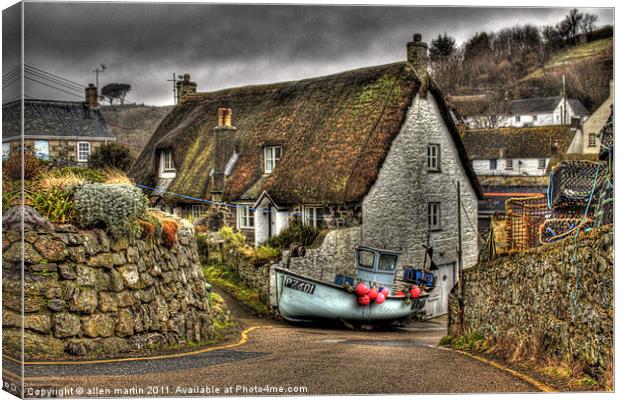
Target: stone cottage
[(53, 129), (373, 149)]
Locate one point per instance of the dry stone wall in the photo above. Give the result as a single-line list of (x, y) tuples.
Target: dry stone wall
[(524, 302), (87, 293)]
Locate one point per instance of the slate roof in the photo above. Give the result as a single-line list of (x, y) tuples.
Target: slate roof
[(52, 118), (530, 142), (543, 105), (476, 105), (335, 132)]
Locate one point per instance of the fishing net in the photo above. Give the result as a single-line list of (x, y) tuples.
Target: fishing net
[(570, 183)]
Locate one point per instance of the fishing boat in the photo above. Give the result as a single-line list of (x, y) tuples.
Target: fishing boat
[(302, 298)]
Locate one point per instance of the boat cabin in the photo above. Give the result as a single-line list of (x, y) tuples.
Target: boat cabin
[(376, 267)]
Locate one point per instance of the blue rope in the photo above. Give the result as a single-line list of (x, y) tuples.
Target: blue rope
[(218, 203), (550, 190)]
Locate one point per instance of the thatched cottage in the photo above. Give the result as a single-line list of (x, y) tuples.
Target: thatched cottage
[(67, 131), (373, 148)]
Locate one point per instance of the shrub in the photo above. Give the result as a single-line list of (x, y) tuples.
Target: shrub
[(115, 176), (263, 254), (55, 204), (233, 239), (296, 232), (169, 233), (12, 168), (114, 207), (111, 156)]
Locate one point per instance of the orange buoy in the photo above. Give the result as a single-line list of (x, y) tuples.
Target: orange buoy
[(363, 300), (372, 293), (361, 289), (415, 292)]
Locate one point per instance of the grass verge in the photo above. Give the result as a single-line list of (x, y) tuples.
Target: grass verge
[(227, 279)]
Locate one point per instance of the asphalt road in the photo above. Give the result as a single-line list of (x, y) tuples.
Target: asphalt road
[(311, 360)]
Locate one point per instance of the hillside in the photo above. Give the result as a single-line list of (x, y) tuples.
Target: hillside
[(133, 125), (587, 68)]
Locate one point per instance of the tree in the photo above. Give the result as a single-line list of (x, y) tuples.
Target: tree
[(570, 25), (111, 156), (588, 23), (441, 47), (115, 92)]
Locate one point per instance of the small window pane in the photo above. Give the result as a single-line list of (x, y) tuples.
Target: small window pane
[(6, 150), (246, 217), (387, 262), (432, 157), (272, 155), (492, 164), (434, 216), (508, 164), (42, 149), (83, 151), (366, 258), (592, 140), (542, 163)]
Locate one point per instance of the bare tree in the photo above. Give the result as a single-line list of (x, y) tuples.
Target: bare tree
[(570, 25), (588, 23)]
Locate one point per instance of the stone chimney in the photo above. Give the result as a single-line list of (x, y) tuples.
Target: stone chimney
[(225, 145), (185, 86), (417, 55), (91, 96)]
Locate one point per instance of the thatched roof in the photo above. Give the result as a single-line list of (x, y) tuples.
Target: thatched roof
[(54, 119), (335, 132), (529, 142)]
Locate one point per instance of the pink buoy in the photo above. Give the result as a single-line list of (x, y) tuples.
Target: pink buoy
[(380, 298), (363, 300), (385, 292), (415, 292), (361, 289), (372, 293)]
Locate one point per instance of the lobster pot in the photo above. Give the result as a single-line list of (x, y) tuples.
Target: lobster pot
[(524, 217), (572, 182)]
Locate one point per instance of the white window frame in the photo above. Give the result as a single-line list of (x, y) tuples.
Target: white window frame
[(167, 163), (510, 164), (592, 140), (271, 156), (434, 215), (310, 215), (6, 150), (198, 210), (78, 152), (433, 157), (245, 217), (542, 163)]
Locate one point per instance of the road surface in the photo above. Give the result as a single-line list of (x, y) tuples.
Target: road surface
[(279, 358)]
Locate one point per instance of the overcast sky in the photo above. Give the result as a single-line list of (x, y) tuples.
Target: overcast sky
[(230, 45)]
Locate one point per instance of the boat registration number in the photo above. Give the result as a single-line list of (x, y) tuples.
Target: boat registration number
[(300, 285)]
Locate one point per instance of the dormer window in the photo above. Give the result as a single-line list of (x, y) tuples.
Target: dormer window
[(166, 164), (272, 156)]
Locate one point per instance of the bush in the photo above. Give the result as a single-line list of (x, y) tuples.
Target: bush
[(113, 207), (33, 167), (86, 174), (233, 239), (263, 254), (55, 204), (296, 232), (169, 233), (111, 156)]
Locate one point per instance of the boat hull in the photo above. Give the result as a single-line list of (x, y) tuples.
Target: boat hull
[(301, 298)]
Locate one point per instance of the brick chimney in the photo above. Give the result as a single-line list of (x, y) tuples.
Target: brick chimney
[(185, 86), (225, 146), (91, 96), (417, 55)]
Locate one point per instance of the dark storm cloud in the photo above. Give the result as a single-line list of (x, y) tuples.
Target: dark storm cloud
[(230, 45)]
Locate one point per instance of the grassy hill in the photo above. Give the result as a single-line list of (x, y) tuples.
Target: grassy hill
[(599, 49), (133, 125)]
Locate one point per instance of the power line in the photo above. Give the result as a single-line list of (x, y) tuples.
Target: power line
[(5, 85), (80, 85), (53, 87), (53, 81), (12, 71)]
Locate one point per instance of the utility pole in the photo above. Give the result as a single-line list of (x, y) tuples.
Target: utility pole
[(564, 97), (100, 68), (460, 239), (174, 86)]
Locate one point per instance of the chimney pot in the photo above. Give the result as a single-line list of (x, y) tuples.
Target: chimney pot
[(417, 37)]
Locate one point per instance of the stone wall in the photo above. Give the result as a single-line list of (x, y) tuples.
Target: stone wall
[(395, 211), (523, 303), (87, 293)]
